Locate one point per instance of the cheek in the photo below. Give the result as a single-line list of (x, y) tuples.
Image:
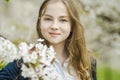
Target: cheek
[(67, 30), (43, 26)]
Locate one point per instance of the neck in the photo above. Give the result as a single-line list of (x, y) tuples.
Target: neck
[(60, 53)]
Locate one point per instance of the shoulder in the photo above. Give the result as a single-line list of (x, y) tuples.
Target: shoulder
[(11, 71), (93, 66), (93, 62), (15, 65), (94, 69)]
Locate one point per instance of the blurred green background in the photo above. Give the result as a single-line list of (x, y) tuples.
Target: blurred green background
[(100, 18)]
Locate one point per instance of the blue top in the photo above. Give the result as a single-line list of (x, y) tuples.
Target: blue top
[(12, 71)]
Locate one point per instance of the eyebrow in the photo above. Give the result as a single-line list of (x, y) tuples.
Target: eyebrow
[(64, 16), (52, 16), (47, 15)]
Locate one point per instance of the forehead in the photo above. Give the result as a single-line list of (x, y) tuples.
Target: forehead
[(56, 8)]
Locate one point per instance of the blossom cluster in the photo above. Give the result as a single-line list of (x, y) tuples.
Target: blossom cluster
[(37, 59), (8, 51)]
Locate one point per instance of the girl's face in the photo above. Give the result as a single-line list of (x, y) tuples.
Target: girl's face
[(55, 23)]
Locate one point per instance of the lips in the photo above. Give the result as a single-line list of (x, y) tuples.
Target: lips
[(54, 34)]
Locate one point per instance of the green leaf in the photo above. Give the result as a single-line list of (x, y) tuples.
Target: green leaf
[(7, 0), (37, 63), (2, 64)]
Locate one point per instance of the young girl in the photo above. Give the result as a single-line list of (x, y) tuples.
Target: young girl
[(58, 23)]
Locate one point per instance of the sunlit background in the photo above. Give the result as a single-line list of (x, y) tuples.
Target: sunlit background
[(100, 18)]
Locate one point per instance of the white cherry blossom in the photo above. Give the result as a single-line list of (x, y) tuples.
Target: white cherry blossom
[(37, 58)]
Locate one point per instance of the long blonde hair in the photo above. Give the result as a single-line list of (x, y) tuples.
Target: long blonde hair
[(75, 43)]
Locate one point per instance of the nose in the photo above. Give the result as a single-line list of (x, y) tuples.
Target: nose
[(54, 25)]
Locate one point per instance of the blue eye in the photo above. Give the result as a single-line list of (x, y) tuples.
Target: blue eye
[(63, 20), (47, 19)]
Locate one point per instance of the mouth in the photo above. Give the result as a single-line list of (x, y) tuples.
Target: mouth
[(54, 34)]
